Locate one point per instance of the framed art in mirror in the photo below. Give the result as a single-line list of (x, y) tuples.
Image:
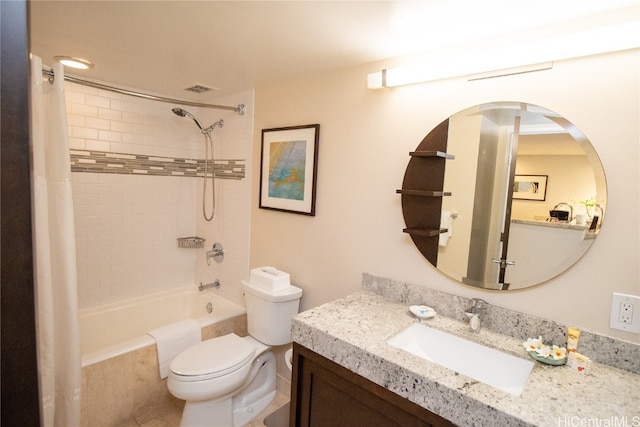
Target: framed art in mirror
[(530, 187)]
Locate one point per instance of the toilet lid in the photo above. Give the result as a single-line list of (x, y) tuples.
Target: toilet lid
[(213, 358)]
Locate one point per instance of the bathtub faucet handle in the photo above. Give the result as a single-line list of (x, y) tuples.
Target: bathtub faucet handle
[(216, 252)]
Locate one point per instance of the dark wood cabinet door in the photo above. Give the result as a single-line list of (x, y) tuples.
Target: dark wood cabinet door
[(327, 394)]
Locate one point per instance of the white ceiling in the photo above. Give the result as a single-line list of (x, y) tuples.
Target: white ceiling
[(163, 47)]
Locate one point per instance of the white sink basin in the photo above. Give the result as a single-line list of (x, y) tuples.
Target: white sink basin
[(484, 364)]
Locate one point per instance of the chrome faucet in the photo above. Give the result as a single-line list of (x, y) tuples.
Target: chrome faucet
[(473, 313), (567, 205)]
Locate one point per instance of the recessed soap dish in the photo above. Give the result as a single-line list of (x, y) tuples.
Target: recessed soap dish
[(191, 242), (422, 311)]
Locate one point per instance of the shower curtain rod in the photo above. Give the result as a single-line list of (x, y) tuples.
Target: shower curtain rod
[(48, 72)]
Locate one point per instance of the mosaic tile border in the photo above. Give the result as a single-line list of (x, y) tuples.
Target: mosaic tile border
[(85, 161)]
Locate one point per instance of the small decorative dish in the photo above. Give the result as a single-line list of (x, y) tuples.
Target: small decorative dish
[(422, 311), (547, 354), (547, 360)]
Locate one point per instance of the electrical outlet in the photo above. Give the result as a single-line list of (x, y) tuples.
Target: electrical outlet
[(625, 312)]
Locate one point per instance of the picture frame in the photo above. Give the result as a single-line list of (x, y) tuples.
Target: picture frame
[(530, 187), (289, 169)]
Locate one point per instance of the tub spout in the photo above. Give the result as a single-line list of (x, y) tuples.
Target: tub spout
[(215, 284)]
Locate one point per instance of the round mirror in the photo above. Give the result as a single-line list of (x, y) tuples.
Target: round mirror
[(504, 195)]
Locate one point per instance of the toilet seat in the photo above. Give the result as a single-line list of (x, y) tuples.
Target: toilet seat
[(212, 358)]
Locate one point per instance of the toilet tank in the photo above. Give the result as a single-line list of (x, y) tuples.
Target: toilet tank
[(269, 312)]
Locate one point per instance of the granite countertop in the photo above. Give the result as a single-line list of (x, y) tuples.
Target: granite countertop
[(551, 224), (352, 331)]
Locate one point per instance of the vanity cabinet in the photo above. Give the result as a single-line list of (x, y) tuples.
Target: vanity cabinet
[(422, 191), (327, 394)]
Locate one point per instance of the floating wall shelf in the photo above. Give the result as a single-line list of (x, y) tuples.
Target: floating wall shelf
[(432, 154), (422, 191), (422, 232)]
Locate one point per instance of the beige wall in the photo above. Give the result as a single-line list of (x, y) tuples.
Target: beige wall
[(572, 178), (365, 137)]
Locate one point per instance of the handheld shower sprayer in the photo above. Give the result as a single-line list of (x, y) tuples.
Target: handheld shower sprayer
[(209, 160), (183, 113)]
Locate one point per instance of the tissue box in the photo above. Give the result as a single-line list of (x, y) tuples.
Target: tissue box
[(270, 278)]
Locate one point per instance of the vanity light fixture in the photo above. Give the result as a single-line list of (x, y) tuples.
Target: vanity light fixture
[(78, 63), (524, 58), (440, 70)]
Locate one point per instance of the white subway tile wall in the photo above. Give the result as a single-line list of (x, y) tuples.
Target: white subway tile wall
[(128, 219)]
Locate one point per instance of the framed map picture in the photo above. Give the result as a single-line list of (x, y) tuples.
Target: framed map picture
[(288, 169)]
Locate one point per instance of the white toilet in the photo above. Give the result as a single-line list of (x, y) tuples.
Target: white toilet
[(228, 380)]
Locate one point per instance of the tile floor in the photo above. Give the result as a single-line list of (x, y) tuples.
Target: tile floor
[(172, 417), (280, 400)]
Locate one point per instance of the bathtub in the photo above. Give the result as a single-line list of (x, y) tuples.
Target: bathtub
[(114, 329)]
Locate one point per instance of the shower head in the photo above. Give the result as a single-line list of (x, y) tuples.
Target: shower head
[(183, 113)]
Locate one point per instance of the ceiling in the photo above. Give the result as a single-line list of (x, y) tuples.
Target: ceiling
[(163, 47)]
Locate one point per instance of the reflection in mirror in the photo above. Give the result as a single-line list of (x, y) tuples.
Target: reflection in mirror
[(528, 194)]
